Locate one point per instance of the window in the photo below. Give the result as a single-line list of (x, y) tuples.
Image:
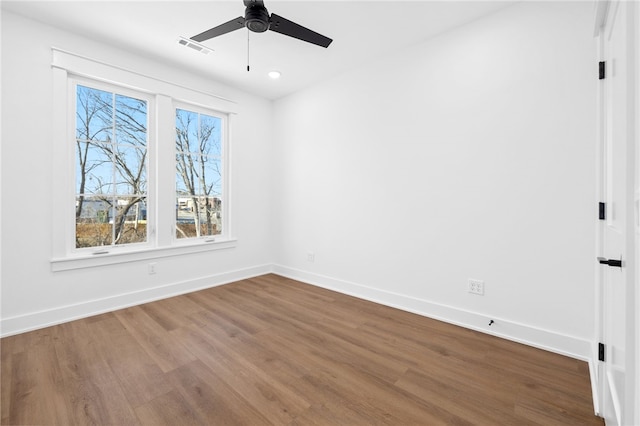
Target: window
[(198, 174), (141, 166), (111, 168)]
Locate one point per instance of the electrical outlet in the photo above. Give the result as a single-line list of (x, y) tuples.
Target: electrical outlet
[(152, 268), (311, 257), (476, 287)]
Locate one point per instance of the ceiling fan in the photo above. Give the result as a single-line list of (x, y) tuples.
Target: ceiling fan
[(256, 18)]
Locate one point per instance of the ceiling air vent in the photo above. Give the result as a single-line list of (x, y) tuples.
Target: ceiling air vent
[(194, 45)]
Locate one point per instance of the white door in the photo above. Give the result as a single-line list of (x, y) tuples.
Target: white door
[(616, 140)]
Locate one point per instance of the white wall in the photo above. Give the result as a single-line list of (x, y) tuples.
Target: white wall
[(32, 295), (468, 156)]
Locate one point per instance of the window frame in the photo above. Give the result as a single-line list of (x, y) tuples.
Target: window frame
[(224, 157), (74, 82), (68, 69)]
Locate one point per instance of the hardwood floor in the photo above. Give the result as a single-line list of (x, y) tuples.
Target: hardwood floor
[(270, 350)]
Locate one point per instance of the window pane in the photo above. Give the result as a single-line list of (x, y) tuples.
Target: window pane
[(93, 217), (186, 131), (210, 135), (94, 111), (131, 121), (130, 225), (97, 170), (130, 165), (213, 177), (186, 216), (198, 174), (181, 188)]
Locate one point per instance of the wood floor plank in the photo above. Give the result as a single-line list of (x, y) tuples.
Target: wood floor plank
[(273, 399), (322, 305), (172, 313), (140, 377), (484, 408), (90, 385), (23, 342), (271, 350), (215, 302), (168, 409), (335, 379), (6, 368), (155, 340), (210, 397), (37, 389), (306, 329), (303, 324)]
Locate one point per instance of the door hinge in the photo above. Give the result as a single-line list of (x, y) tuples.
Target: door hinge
[(601, 352), (601, 70), (602, 209)]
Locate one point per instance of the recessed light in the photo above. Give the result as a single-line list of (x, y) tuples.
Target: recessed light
[(274, 74)]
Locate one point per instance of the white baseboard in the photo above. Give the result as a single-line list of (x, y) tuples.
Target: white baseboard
[(522, 333), (42, 319), (532, 336)]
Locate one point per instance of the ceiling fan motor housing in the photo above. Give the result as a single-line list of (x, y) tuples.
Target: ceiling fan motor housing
[(256, 18)]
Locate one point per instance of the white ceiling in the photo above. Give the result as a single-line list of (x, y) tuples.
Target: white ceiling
[(362, 31)]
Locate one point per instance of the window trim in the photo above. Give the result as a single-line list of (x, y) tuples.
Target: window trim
[(68, 69), (118, 257)]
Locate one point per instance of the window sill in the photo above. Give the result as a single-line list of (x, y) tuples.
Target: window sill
[(118, 257)]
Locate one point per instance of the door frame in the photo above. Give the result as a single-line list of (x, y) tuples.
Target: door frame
[(631, 410), (635, 28)]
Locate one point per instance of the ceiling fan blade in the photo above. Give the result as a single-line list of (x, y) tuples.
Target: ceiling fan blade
[(227, 27), (291, 29)]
